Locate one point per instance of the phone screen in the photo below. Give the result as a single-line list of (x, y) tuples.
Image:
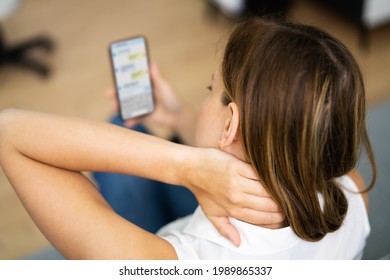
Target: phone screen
[(132, 79)]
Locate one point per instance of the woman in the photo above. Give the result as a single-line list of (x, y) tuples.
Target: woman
[(288, 99)]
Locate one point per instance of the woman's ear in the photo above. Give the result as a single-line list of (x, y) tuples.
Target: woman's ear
[(231, 127)]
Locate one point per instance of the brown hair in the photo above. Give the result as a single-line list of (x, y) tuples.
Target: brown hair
[(302, 102)]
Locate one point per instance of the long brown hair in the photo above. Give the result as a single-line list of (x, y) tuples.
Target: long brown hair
[(302, 102)]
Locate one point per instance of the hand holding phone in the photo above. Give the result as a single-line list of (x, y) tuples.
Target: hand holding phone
[(130, 65), (168, 107)]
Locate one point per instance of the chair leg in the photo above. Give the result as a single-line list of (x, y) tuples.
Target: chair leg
[(34, 65), (19, 54), (37, 42), (2, 44), (363, 37)]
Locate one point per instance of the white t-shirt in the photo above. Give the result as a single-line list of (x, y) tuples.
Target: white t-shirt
[(194, 237)]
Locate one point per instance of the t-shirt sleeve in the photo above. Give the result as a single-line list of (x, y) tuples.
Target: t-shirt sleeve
[(173, 233)]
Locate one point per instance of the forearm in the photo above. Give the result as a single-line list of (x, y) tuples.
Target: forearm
[(42, 156), (82, 145)]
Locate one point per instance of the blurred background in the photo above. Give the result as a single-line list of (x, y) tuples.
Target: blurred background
[(69, 71)]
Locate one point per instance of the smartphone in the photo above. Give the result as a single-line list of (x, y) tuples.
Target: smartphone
[(130, 66)]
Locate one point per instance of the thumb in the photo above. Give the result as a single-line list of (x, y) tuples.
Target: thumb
[(226, 229), (133, 122)]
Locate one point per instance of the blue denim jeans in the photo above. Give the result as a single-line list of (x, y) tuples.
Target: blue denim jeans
[(146, 203)]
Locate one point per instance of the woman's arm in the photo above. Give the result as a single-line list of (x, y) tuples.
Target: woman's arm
[(43, 155)]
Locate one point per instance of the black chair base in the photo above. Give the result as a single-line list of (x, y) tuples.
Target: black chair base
[(19, 55)]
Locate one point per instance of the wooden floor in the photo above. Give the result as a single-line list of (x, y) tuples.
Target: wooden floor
[(183, 40)]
